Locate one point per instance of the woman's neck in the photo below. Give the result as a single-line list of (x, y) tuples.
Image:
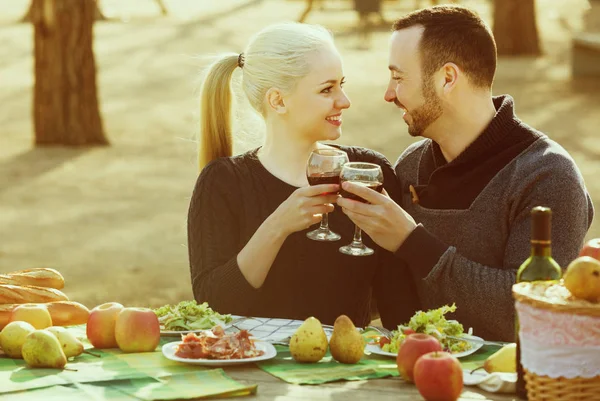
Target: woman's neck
[(285, 156)]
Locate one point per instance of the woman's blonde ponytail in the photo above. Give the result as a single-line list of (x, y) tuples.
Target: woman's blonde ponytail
[(215, 111)]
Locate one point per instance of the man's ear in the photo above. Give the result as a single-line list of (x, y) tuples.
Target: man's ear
[(275, 101), (451, 73)]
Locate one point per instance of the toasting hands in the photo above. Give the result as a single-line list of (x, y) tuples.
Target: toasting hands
[(305, 207), (382, 219)]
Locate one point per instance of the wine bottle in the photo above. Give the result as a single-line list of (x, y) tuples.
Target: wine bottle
[(538, 267)]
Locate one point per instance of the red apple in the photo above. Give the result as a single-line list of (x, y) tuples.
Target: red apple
[(34, 314), (591, 248), (101, 325), (413, 346), (137, 330), (439, 377)]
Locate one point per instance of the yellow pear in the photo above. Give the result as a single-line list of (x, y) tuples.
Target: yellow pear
[(13, 336), (42, 349), (504, 360), (71, 346), (582, 278), (309, 342), (346, 344)]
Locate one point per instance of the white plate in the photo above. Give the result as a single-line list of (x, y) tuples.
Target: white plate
[(169, 349), (375, 349)]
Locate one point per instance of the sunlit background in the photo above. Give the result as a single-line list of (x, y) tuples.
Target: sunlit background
[(112, 218)]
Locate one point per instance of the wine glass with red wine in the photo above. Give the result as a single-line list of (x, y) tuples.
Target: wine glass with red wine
[(368, 175), (324, 167)]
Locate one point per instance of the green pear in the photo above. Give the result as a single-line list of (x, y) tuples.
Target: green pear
[(309, 342), (42, 349), (71, 346), (13, 336), (503, 360), (346, 344)]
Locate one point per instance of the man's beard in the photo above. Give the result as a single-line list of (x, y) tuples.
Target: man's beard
[(423, 116)]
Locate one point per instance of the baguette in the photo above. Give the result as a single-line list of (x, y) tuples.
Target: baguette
[(40, 277), (63, 313), (14, 294)]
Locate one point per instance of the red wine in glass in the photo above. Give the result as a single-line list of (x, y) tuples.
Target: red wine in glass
[(375, 186), (324, 178), (367, 175), (324, 167)]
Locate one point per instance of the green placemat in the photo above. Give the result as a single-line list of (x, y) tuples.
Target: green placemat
[(195, 385), (328, 370), (110, 365)]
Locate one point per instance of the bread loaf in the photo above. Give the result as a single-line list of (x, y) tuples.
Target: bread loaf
[(14, 294), (40, 277), (66, 313), (63, 313)]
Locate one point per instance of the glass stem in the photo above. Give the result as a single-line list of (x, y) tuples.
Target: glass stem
[(357, 240), (325, 222)]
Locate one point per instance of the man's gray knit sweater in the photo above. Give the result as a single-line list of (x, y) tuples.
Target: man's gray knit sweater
[(470, 256)]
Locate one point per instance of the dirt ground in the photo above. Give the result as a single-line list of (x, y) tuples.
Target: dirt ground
[(113, 220)]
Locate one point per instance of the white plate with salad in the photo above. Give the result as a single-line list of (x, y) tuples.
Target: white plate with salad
[(189, 317), (376, 349), (434, 323)]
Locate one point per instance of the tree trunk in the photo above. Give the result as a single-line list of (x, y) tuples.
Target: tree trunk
[(65, 104), (98, 14), (515, 28)]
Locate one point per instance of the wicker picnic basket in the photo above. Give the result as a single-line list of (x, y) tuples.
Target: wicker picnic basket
[(560, 342)]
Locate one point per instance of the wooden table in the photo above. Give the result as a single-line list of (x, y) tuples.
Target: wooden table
[(273, 389)]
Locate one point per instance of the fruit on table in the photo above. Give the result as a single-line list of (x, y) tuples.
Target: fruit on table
[(101, 323), (37, 315), (439, 377), (13, 336), (63, 313), (309, 342), (137, 330), (42, 349), (346, 344), (582, 278), (71, 346), (591, 249), (504, 360), (413, 346)]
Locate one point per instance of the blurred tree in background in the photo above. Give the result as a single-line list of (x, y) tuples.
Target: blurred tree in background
[(98, 13), (65, 103), (515, 28)]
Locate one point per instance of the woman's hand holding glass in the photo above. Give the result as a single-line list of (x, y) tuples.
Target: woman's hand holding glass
[(305, 207)]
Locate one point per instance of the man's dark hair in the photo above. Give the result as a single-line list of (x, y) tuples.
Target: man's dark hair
[(454, 34)]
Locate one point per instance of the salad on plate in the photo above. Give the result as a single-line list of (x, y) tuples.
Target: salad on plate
[(189, 316), (434, 323)]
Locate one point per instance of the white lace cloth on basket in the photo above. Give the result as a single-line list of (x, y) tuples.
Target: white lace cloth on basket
[(569, 361), (558, 344)]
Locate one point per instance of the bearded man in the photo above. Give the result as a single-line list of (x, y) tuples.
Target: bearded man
[(462, 225)]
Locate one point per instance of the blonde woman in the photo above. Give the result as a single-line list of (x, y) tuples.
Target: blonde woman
[(249, 213)]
